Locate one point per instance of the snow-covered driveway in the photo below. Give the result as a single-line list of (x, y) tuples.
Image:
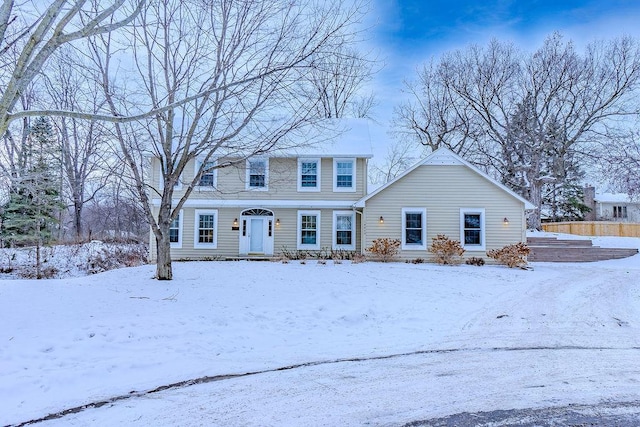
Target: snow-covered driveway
[(559, 334)]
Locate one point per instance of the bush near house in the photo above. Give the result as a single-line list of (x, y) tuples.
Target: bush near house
[(384, 249), (511, 255), (446, 251)]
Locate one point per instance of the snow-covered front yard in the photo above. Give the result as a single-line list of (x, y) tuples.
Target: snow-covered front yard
[(438, 340)]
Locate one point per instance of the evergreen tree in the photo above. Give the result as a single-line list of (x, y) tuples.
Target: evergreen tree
[(30, 216)]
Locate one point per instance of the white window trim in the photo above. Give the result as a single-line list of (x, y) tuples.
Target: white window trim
[(318, 177), (198, 164), (196, 229), (412, 246), (335, 245), (178, 244), (299, 245), (248, 174), (483, 240), (337, 189)]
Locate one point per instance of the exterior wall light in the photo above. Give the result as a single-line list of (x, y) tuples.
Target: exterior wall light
[(278, 222), (235, 222), (505, 221), (381, 220)]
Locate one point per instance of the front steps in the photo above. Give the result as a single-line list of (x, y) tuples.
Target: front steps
[(550, 249)]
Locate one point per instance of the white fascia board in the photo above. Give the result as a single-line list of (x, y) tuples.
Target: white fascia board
[(297, 204)]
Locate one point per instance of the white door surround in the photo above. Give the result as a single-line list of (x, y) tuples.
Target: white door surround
[(256, 232)]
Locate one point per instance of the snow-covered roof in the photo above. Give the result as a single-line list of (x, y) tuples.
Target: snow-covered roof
[(444, 156), (614, 198), (334, 138)]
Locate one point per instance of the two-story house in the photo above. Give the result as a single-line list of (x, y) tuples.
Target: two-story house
[(317, 199), (301, 199)]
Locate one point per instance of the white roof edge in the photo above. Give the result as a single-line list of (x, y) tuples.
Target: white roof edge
[(527, 204), (217, 203)]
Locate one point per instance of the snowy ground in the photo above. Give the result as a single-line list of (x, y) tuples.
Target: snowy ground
[(429, 341)]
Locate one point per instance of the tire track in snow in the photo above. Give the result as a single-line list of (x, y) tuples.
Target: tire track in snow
[(210, 379)]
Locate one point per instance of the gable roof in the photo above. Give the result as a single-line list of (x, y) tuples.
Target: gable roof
[(444, 156)]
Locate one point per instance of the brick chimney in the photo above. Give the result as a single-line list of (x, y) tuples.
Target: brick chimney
[(590, 201)]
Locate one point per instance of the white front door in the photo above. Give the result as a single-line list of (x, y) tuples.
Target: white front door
[(256, 235)]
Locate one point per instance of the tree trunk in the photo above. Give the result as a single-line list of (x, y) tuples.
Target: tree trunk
[(535, 196), (163, 258)]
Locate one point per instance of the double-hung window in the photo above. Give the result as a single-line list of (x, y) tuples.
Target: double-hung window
[(472, 229), (257, 174), (205, 229), (208, 177), (344, 175), (344, 230), (414, 229), (308, 230), (175, 232), (308, 174)]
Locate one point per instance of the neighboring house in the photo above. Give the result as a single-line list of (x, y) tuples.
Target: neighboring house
[(317, 200), (617, 207), (444, 194)]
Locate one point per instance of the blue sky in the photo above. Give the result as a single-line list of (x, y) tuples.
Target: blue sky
[(407, 33)]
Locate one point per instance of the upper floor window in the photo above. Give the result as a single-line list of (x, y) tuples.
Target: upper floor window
[(208, 177), (619, 211), (414, 228), (472, 229), (257, 174), (308, 174), (344, 175)]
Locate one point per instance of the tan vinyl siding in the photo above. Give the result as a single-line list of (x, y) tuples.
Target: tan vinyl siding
[(285, 235), (282, 182), (443, 191)]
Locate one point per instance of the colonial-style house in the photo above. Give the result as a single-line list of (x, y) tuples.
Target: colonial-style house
[(317, 199)]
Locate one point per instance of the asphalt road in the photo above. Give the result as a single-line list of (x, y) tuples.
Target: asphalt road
[(618, 414)]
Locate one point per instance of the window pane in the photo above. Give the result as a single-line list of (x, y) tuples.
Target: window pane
[(344, 174), (309, 176), (343, 229), (343, 222), (257, 173), (308, 234), (472, 237), (206, 180), (471, 220), (413, 236), (343, 237), (174, 230), (205, 228), (414, 220)]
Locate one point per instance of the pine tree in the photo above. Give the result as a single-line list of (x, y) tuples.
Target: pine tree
[(30, 216)]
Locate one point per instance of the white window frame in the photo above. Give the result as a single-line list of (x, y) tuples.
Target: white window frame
[(299, 243), (335, 244), (483, 241), (318, 163), (178, 244), (351, 189), (214, 172), (413, 246), (266, 174), (196, 229)]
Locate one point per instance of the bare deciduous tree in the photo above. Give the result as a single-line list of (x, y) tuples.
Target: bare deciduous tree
[(469, 101), (224, 79)]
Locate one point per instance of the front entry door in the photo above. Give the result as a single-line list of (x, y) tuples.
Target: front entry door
[(256, 235), (256, 232)]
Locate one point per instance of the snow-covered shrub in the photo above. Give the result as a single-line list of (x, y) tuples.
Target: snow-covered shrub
[(479, 262), (358, 258), (511, 255), (384, 249), (446, 251), (104, 257)]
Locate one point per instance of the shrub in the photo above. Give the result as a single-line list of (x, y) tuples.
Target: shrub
[(479, 262), (358, 258), (384, 249), (446, 251), (511, 255)]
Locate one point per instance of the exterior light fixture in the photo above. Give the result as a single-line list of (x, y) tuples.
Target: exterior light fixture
[(235, 222), (278, 222), (381, 220), (505, 221)]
